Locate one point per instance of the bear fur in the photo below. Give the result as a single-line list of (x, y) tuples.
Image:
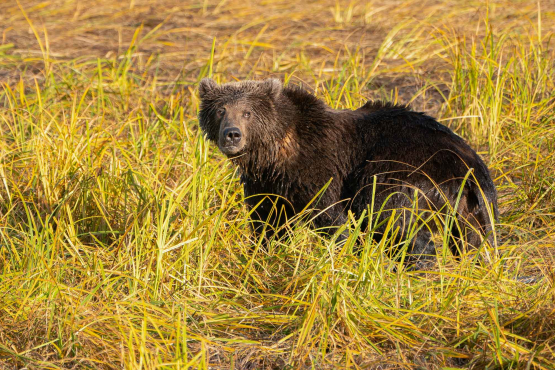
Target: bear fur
[(289, 144)]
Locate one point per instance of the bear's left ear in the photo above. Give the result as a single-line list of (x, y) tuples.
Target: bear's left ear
[(273, 86), (206, 86)]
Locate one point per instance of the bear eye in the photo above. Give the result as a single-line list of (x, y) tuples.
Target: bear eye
[(246, 114), (220, 111)]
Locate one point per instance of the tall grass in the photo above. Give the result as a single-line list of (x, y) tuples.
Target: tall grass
[(124, 241)]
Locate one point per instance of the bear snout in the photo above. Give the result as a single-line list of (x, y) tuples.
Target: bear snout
[(232, 136), (231, 140)]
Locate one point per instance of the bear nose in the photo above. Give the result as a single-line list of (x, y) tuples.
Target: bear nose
[(232, 136)]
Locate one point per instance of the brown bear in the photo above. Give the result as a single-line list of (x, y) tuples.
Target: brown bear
[(288, 144)]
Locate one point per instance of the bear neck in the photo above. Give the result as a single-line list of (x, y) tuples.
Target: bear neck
[(309, 134)]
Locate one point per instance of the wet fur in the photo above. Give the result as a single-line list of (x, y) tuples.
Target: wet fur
[(297, 144)]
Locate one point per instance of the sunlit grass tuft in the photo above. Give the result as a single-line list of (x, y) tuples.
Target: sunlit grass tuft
[(124, 240)]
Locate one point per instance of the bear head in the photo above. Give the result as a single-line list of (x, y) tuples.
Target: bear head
[(240, 117)]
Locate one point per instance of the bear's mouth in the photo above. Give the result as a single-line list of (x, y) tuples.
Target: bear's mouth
[(232, 150)]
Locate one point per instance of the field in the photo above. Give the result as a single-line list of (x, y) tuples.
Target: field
[(124, 241)]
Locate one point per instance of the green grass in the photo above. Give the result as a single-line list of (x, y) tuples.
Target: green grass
[(124, 241)]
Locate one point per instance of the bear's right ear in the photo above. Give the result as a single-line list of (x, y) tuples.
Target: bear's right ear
[(206, 86)]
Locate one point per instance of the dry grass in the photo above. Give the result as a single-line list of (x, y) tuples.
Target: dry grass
[(124, 242)]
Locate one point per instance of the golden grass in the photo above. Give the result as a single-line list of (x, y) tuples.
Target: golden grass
[(124, 242)]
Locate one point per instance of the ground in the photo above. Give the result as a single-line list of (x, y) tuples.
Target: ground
[(124, 241)]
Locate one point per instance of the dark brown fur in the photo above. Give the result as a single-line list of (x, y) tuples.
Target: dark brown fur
[(293, 144)]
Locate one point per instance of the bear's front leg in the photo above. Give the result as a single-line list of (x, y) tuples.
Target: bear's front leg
[(331, 220), (268, 215)]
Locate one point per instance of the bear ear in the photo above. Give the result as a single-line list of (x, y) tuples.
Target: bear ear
[(273, 86), (206, 86)]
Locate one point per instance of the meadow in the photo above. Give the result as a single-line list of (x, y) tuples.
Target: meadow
[(124, 241)]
